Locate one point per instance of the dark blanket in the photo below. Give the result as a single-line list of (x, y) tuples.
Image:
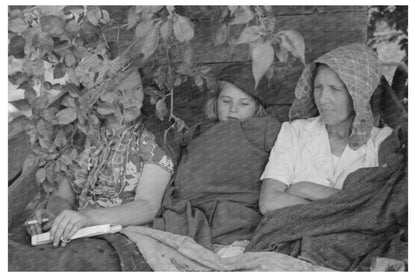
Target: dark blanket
[(368, 218), (112, 252), (214, 196)]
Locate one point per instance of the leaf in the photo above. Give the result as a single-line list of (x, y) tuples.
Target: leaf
[(221, 35), (242, 15), (262, 56), (60, 139), (179, 124), (232, 9), (40, 175), (143, 28), (66, 116), (73, 76), (204, 69), (251, 34), (148, 9), (73, 27), (50, 10), (48, 187), (199, 82), (183, 28), (281, 53), (16, 45), (106, 17), (50, 172), (108, 97), (153, 93), (59, 71), (17, 25), (69, 102), (150, 42), (132, 18), (170, 9), (44, 129), (166, 29), (293, 41), (52, 25), (35, 68), (70, 60), (132, 81), (30, 162), (161, 109), (94, 15)]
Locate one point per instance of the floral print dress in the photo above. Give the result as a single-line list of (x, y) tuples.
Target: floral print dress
[(108, 173)]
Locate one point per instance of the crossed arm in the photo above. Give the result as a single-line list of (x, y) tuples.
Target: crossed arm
[(276, 195), (65, 221)]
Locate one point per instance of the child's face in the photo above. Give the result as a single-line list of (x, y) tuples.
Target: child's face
[(234, 104)]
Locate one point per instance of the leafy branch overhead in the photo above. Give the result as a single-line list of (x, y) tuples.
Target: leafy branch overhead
[(69, 65), (262, 35)]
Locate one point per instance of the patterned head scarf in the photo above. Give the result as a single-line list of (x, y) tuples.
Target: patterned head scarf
[(359, 69)]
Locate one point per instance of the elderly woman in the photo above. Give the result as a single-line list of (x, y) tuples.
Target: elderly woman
[(214, 198), (333, 135)]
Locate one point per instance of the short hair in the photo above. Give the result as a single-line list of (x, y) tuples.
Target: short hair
[(211, 109)]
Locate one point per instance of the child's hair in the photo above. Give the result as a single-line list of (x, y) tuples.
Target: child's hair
[(211, 110)]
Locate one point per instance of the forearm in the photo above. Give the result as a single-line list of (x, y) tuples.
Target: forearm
[(137, 212), (311, 191), (277, 200), (274, 196)]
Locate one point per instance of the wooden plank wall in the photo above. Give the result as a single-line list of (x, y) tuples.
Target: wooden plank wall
[(323, 27)]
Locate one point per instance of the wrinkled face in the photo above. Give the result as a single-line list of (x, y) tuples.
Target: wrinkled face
[(234, 104), (331, 97)]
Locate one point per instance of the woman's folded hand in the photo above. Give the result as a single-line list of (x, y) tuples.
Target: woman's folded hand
[(66, 224)]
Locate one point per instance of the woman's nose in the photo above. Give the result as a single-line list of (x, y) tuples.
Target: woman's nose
[(325, 96)]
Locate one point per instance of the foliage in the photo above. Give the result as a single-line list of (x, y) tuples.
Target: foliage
[(72, 76), (396, 17)]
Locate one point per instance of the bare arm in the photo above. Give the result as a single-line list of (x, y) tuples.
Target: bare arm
[(142, 210), (311, 191), (273, 196), (149, 194)]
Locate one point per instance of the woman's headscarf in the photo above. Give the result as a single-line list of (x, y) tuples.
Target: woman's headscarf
[(358, 67)]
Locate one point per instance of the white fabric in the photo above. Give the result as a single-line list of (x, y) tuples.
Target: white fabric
[(232, 250), (302, 153), (164, 251)]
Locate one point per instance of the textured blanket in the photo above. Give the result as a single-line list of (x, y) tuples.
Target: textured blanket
[(346, 231), (214, 196), (164, 251)]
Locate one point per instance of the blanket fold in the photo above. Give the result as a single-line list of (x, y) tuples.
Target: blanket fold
[(214, 198), (164, 251), (368, 218)]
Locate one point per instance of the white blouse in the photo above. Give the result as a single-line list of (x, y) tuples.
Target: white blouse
[(302, 153)]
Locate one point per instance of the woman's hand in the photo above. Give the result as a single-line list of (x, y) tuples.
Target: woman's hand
[(38, 215), (66, 224)]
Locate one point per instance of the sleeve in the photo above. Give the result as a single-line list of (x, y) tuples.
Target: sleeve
[(281, 164), (152, 153), (381, 136)]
